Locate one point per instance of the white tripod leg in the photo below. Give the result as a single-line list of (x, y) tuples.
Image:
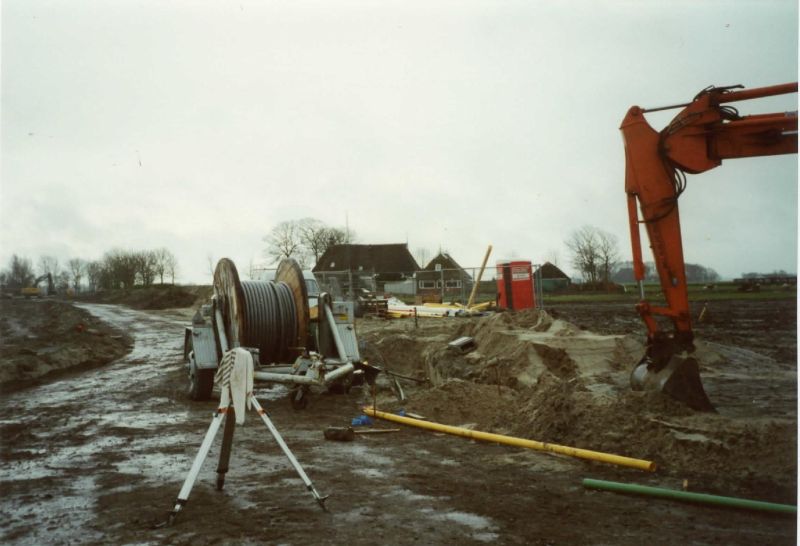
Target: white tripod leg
[(183, 496), (275, 434)]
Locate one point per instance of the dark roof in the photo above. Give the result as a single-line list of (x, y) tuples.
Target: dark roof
[(445, 260), (380, 258), (549, 271), (448, 264)]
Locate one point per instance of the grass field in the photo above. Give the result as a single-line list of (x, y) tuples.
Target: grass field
[(697, 292)]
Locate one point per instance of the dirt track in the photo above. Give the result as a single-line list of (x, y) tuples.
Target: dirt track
[(98, 458)]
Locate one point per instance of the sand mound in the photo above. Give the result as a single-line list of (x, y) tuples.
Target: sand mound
[(539, 377)]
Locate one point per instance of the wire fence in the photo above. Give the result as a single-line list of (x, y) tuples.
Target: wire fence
[(422, 286)]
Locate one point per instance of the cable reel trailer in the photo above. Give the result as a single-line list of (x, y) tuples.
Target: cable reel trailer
[(295, 339)]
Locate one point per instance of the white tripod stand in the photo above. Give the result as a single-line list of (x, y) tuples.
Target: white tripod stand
[(235, 375)]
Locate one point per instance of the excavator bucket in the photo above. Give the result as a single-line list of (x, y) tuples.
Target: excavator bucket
[(676, 374)]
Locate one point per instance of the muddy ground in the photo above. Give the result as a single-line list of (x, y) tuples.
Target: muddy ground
[(98, 457), (43, 339)]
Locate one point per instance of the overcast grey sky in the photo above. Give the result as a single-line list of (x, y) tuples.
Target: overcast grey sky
[(199, 125)]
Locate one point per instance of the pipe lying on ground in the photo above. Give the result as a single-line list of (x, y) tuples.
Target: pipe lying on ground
[(703, 498), (518, 442), (285, 378), (295, 379)]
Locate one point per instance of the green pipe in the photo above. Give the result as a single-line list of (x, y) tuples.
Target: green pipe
[(689, 497)]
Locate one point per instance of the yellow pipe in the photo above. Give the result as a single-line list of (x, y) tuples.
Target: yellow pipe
[(649, 466)]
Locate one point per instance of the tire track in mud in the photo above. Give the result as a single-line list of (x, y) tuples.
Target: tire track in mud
[(60, 440), (97, 458)]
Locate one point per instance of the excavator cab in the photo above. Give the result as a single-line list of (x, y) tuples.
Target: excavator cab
[(705, 132)]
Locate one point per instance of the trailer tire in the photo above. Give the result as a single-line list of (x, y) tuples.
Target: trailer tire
[(342, 386), (201, 382), (298, 397)]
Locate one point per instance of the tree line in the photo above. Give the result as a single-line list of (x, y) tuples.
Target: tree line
[(116, 269), (304, 240), (595, 254)]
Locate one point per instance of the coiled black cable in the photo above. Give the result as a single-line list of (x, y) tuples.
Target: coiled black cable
[(270, 320)]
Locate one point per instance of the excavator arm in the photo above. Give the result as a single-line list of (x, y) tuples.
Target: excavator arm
[(706, 132)]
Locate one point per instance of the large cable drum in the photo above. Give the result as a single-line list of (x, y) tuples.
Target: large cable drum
[(271, 316)]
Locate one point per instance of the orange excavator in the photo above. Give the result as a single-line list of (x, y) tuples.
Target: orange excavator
[(705, 132)]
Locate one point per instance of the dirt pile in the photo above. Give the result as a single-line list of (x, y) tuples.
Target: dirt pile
[(535, 376), (40, 339), (467, 404)]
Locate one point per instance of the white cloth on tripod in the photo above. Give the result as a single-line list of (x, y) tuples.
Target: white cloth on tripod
[(235, 378)]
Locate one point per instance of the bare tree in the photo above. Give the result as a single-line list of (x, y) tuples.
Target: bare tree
[(48, 264), (19, 273), (94, 274), (161, 266), (77, 267), (61, 281), (594, 253), (119, 269), (285, 241), (313, 236), (171, 267), (337, 236), (608, 254), (583, 245), (145, 261), (211, 266), (305, 240)]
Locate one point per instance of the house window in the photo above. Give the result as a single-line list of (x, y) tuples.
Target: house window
[(333, 264), (438, 284), (438, 267), (452, 283), (427, 284)]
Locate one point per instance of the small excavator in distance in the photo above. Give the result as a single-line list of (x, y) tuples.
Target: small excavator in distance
[(705, 132), (34, 290)]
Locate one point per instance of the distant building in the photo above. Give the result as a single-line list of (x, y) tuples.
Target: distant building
[(443, 280), (344, 270), (552, 278)]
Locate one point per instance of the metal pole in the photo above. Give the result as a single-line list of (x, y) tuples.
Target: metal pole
[(341, 371), (227, 445), (335, 331), (299, 469), (183, 496), (223, 339), (284, 378)]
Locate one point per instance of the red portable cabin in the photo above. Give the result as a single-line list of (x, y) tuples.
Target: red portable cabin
[(515, 285)]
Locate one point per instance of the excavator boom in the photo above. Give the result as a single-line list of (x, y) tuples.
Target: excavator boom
[(704, 133)]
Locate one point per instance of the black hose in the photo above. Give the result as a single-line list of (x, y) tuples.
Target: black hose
[(270, 320)]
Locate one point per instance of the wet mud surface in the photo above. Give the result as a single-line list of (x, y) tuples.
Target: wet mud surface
[(99, 457), (42, 339)]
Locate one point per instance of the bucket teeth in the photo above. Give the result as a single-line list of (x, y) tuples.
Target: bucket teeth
[(677, 375)]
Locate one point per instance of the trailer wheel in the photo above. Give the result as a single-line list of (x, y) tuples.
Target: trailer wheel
[(299, 398), (201, 382), (342, 386)]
